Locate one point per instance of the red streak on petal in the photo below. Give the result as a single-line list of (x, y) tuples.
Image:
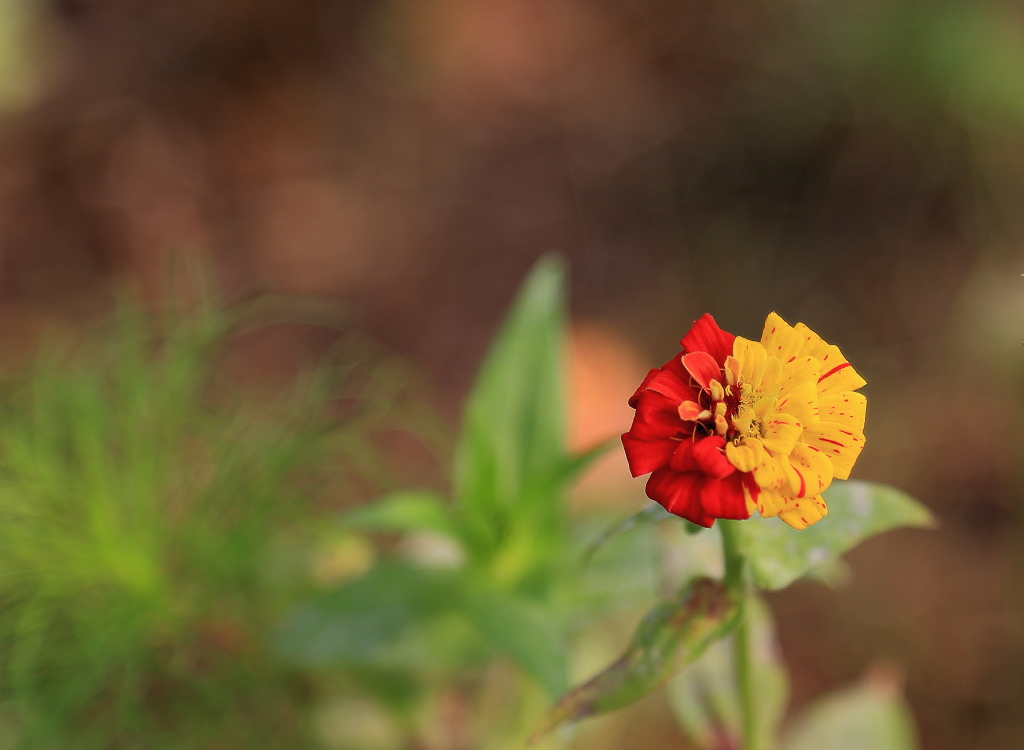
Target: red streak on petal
[(834, 370), (803, 484), (846, 433), (826, 440)]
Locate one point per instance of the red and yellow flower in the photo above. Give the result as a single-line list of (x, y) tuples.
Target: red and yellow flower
[(732, 425)]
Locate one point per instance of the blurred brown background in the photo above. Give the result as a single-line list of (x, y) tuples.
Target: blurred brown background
[(856, 166)]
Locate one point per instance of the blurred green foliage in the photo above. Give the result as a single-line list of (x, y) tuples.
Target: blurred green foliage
[(19, 70), (148, 517), (506, 587)]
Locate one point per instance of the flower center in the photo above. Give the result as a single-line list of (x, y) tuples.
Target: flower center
[(733, 407)]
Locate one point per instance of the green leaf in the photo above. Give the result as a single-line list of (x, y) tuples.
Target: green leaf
[(523, 631), (779, 554), (368, 622), (871, 716), (704, 696), (510, 458), (671, 635), (403, 511)]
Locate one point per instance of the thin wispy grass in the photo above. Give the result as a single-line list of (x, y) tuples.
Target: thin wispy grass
[(144, 502)]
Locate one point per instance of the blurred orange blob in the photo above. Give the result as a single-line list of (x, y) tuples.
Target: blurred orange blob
[(602, 366)]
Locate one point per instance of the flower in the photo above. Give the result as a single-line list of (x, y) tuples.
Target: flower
[(732, 425)]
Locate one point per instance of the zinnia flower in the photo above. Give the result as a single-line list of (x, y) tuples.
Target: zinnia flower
[(732, 425)]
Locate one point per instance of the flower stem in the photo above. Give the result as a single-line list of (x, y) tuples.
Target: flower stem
[(736, 580)]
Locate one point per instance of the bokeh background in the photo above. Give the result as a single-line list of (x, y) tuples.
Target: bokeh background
[(856, 166)]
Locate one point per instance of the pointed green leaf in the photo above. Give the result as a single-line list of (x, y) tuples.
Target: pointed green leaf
[(704, 696), (523, 631), (871, 716), (671, 635), (510, 455), (779, 554), (403, 511)]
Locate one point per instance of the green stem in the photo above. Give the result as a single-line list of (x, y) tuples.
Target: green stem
[(736, 580)]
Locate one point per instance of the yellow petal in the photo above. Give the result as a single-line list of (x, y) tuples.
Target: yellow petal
[(813, 469), (801, 402), (716, 390), (751, 356), (846, 408), (769, 380), (836, 373), (838, 442), (828, 354), (810, 510), (780, 339), (769, 503), (769, 473), (721, 425), (798, 513), (810, 341), (746, 456), (781, 431), (764, 407), (799, 370)]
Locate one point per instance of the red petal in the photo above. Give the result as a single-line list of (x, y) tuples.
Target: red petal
[(646, 456), (643, 387), (657, 418), (706, 336), (703, 368), (679, 494), (682, 459), (752, 487), (667, 384), (709, 455), (723, 498), (675, 366)]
